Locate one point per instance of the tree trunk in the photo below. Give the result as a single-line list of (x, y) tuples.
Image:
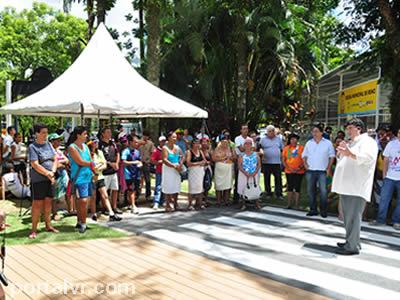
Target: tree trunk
[(241, 70), (91, 17), (153, 12), (395, 101), (392, 26), (101, 12), (141, 32)]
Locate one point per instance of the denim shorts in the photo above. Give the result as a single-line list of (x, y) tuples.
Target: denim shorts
[(84, 190)]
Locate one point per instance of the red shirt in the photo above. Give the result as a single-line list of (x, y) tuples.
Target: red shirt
[(156, 156)]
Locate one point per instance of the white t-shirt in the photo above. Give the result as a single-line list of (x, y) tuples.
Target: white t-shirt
[(8, 140), (13, 184), (392, 151), (20, 150)]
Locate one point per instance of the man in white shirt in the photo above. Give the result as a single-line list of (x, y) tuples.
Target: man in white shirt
[(239, 140), (353, 180), (318, 156), (391, 182), (8, 141)]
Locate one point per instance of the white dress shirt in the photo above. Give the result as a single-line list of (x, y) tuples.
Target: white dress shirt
[(355, 177), (318, 154)]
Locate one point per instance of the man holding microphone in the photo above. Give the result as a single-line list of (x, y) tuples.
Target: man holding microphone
[(353, 180)]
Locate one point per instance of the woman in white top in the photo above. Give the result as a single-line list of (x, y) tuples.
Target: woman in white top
[(173, 159)]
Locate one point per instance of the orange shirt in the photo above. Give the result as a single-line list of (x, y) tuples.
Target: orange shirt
[(292, 156)]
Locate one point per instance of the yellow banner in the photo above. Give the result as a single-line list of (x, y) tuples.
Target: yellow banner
[(360, 99)]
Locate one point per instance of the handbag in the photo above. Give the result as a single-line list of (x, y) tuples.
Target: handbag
[(252, 190), (207, 181), (184, 173)]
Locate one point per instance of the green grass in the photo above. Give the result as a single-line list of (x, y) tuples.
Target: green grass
[(19, 230)]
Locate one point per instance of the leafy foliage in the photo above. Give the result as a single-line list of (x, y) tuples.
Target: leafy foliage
[(37, 37), (376, 23), (209, 47)]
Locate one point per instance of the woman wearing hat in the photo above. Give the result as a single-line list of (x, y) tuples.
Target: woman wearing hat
[(294, 168)]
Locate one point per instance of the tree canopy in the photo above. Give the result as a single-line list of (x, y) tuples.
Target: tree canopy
[(36, 37)]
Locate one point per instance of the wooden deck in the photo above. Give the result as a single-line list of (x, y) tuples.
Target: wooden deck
[(140, 268)]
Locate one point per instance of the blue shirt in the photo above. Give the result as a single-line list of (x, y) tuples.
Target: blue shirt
[(181, 144), (318, 154), (131, 171), (272, 149), (250, 162), (85, 173)]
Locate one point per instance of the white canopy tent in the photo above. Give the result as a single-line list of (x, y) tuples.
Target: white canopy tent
[(102, 83)]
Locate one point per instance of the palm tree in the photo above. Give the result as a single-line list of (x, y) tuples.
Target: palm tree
[(94, 8)]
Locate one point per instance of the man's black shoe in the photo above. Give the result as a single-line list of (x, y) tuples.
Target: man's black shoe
[(115, 218), (341, 245), (310, 214), (324, 215), (343, 251)]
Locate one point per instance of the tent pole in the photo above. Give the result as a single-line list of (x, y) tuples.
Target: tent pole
[(98, 119), (82, 115)]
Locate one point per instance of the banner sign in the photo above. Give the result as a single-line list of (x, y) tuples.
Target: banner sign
[(357, 100)]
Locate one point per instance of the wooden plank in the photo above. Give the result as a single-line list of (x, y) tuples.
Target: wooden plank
[(185, 266), (190, 277), (230, 276), (149, 272), (158, 271), (27, 271), (57, 275), (14, 279), (99, 267), (77, 269)]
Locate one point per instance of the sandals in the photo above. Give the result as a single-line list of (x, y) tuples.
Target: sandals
[(32, 235), (52, 229)]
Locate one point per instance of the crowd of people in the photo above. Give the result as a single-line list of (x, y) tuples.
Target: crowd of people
[(106, 173)]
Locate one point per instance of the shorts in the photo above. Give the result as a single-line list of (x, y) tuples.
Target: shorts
[(294, 182), (84, 190), (133, 185), (111, 182), (42, 190), (99, 184)]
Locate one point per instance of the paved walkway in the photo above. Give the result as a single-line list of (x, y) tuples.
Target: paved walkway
[(132, 268)]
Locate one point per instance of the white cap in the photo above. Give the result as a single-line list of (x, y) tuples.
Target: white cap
[(162, 138)]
